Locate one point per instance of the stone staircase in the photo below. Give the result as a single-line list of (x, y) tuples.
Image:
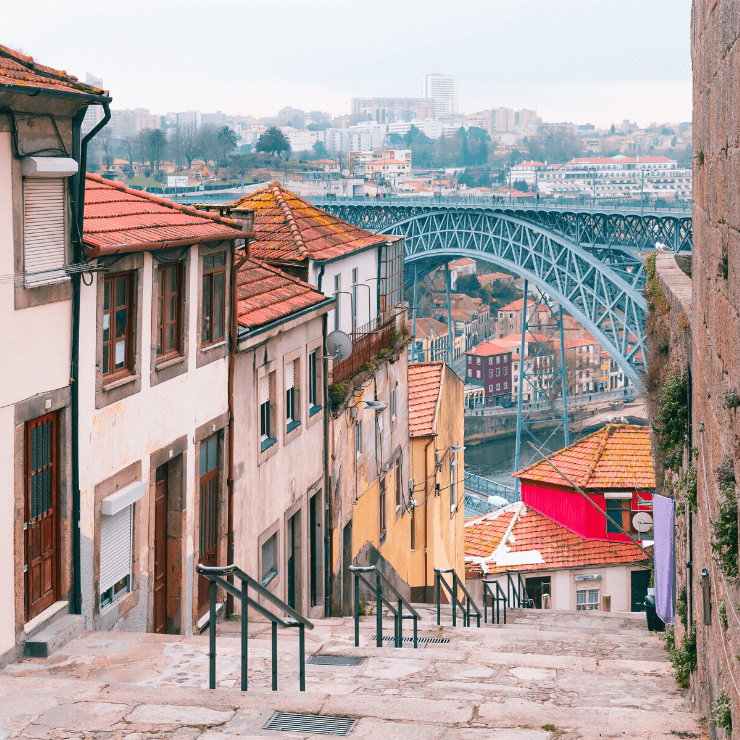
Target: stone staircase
[(544, 675)]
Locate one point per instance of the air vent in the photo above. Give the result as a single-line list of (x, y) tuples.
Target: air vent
[(314, 723), (429, 640), (334, 660)]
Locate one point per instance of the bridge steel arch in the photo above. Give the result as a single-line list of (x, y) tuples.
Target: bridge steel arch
[(605, 295)]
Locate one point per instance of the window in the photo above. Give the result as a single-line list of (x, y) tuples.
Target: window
[(270, 559), (511, 315), (511, 326), (399, 482), (498, 371), (115, 555), (118, 323), (498, 386), (453, 486), (506, 371), (358, 437), (43, 230), (337, 288), (506, 385), (393, 401), (169, 312), (267, 437), (618, 514), (490, 373), (292, 413), (214, 298), (354, 299), (587, 599), (413, 527), (477, 361), (381, 507), (313, 404), (498, 359), (477, 373)]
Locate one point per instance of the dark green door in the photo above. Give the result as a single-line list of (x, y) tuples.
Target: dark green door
[(640, 583)]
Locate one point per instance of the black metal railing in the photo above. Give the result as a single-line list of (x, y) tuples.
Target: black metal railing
[(452, 591), (216, 579), (492, 590), (377, 588), (518, 590)]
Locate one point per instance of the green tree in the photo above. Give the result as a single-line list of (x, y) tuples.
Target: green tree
[(226, 139), (554, 144), (157, 145), (207, 143), (468, 284), (612, 130), (273, 141), (319, 151), (520, 185), (394, 140)]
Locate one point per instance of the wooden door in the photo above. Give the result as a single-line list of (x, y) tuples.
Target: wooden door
[(160, 549), (42, 475), (209, 515), (640, 582)]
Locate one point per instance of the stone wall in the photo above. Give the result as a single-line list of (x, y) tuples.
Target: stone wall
[(715, 334)]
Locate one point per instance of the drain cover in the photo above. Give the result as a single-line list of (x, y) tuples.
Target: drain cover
[(431, 640), (317, 724), (334, 660)]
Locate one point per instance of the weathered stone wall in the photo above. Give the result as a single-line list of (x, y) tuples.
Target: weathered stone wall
[(715, 330)]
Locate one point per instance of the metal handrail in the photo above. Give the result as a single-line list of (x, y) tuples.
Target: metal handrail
[(398, 615), (517, 589), (496, 597), (215, 574), (452, 590)]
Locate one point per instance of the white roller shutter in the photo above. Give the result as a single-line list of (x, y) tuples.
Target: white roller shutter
[(115, 548), (289, 376), (264, 389), (43, 230)]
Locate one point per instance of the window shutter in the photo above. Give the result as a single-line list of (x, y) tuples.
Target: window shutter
[(264, 389), (43, 230), (290, 376), (115, 548)]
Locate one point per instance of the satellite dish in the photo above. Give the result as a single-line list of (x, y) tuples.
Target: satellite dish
[(642, 521), (338, 345)]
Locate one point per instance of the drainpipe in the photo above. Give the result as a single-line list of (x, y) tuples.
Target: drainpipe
[(327, 477), (79, 215), (426, 517)]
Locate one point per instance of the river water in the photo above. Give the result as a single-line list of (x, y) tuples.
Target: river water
[(495, 459)]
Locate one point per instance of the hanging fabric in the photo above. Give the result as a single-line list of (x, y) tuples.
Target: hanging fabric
[(664, 528)]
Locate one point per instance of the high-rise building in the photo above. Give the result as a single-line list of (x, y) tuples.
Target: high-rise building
[(94, 113), (442, 89)]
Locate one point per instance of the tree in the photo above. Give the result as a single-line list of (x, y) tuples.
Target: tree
[(241, 163), (273, 141), (612, 130), (186, 142), (468, 284), (521, 186), (127, 147), (394, 139), (319, 151), (158, 145), (208, 143), (143, 150), (554, 144), (226, 142), (106, 144)]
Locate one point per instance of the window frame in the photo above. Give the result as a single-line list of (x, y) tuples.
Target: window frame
[(129, 335), (382, 508), (267, 413), (268, 577), (212, 273), (398, 472), (161, 301)]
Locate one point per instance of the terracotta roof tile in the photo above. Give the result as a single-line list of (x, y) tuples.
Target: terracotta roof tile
[(617, 456), (266, 294), (118, 219), (488, 348), (291, 229), (19, 69), (425, 379), (558, 546)]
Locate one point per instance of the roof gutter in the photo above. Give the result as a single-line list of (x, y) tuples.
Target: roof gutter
[(97, 251), (326, 261), (33, 92)]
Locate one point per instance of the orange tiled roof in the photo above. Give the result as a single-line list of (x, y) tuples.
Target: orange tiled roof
[(488, 348), (425, 379), (519, 304), (19, 69), (119, 219), (291, 229), (617, 456), (425, 327), (534, 533), (266, 294)]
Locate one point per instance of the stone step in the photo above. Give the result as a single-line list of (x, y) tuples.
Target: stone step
[(55, 636)]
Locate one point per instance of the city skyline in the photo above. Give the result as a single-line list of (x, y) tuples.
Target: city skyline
[(640, 68)]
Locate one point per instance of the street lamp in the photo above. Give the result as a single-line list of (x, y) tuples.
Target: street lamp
[(351, 300)]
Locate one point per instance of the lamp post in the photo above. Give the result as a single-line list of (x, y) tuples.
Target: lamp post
[(351, 301)]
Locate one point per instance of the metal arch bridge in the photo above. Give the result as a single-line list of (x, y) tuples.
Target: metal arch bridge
[(588, 260)]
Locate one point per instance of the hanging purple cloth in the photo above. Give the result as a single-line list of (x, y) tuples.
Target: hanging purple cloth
[(663, 528)]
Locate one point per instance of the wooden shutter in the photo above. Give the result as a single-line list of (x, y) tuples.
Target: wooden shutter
[(115, 547), (43, 230), (264, 389), (290, 376)]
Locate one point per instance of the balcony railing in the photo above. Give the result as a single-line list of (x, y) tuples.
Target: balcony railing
[(490, 487), (367, 343)]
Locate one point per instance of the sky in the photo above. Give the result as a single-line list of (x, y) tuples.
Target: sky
[(585, 61)]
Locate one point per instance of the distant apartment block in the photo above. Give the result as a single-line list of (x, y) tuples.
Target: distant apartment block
[(391, 110), (129, 122), (94, 114), (442, 89)]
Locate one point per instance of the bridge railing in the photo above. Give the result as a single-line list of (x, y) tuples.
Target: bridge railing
[(489, 487)]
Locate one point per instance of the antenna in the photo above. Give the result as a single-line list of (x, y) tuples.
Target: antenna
[(338, 345)]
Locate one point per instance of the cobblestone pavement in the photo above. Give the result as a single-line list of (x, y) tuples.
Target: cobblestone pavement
[(543, 676)]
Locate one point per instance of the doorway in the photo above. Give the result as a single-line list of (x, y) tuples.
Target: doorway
[(161, 477), (209, 516), (347, 602), (640, 581), (293, 557), (42, 534), (314, 545), (536, 587)]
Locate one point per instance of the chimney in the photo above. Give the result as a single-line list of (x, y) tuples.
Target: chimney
[(245, 217)]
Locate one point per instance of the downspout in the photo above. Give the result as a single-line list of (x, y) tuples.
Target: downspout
[(320, 277), (79, 215), (327, 477), (427, 600)]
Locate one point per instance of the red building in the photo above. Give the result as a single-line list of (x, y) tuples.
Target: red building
[(612, 466), (489, 365)]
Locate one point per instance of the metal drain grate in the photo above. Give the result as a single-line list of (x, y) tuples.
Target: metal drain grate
[(334, 660), (431, 640), (314, 723)]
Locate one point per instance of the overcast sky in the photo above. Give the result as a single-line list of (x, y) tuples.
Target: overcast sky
[(596, 61)]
